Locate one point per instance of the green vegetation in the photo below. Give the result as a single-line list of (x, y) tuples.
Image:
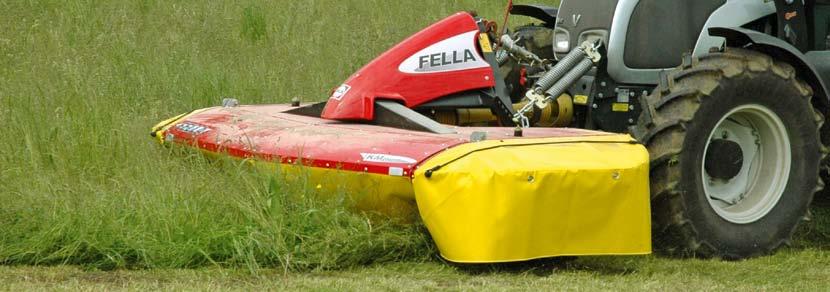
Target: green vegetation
[(788, 271), (82, 183), (82, 82)]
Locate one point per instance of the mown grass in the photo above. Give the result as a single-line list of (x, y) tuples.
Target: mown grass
[(82, 183), (804, 270)]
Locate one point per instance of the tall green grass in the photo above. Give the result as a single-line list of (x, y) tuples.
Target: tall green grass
[(81, 83)]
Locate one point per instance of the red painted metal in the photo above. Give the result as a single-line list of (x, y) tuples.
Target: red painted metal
[(381, 79), (267, 132)]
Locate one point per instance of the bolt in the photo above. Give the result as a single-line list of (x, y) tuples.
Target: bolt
[(631, 107), (602, 84), (600, 95), (630, 121), (530, 178), (595, 106), (645, 93), (631, 94)]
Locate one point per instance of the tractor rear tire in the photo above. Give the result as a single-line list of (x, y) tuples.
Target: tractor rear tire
[(735, 154)]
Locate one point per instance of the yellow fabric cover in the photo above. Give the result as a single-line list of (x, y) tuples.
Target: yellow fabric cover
[(521, 199)]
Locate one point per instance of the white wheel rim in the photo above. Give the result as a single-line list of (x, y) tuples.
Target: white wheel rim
[(755, 190)]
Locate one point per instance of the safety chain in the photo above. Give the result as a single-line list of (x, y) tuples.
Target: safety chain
[(520, 118)]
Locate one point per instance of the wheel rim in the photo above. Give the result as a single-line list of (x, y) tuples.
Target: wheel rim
[(761, 166)]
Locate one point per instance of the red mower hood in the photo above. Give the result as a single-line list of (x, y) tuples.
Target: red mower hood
[(440, 60)]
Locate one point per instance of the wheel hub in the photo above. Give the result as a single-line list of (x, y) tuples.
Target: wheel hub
[(746, 165), (724, 159)]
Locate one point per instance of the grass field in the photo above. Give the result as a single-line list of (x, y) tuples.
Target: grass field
[(84, 190), (804, 270)]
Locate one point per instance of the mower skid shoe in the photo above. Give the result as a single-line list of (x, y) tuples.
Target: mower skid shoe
[(522, 199)]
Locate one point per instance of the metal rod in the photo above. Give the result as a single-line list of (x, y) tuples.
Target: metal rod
[(511, 46)]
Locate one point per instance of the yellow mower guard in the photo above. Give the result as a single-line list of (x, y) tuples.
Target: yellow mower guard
[(521, 199)]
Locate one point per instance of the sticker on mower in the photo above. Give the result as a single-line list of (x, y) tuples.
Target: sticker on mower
[(386, 158), (453, 54), (192, 128), (340, 92)]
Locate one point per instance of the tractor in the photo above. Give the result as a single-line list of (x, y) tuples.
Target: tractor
[(729, 97)]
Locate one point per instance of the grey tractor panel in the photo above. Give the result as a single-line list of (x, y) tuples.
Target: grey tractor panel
[(577, 16), (660, 31)]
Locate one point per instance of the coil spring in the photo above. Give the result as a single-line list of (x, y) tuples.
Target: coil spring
[(561, 68), (501, 57), (570, 78)]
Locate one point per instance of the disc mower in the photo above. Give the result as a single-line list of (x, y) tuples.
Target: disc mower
[(513, 144)]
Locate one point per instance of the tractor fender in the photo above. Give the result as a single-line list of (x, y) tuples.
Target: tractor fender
[(544, 13), (780, 50)]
